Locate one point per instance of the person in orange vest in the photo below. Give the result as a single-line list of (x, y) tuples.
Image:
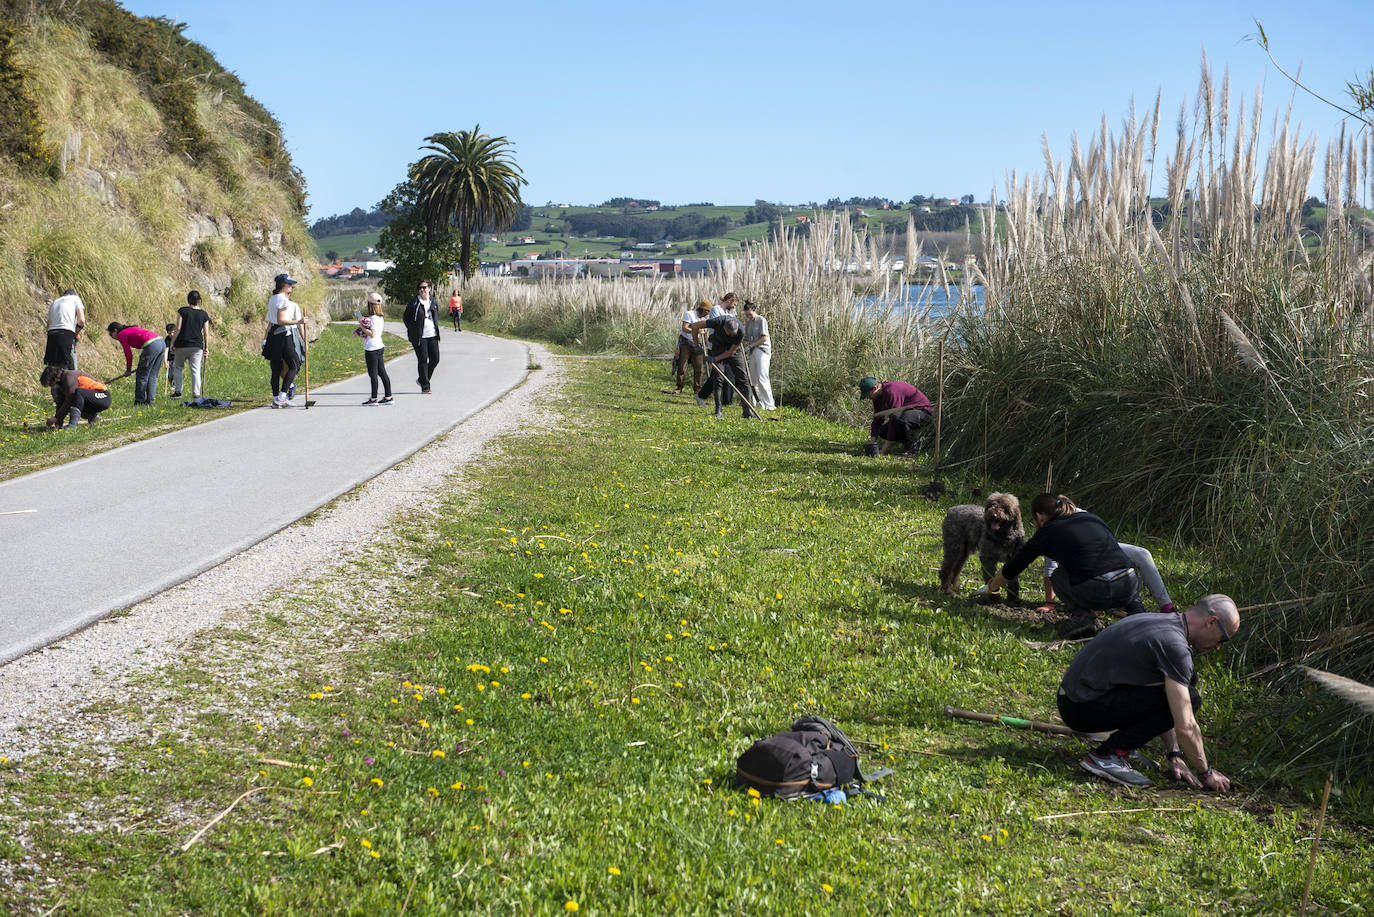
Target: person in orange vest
[(455, 310), (75, 394)]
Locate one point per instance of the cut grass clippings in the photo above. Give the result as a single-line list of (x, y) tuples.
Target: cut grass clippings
[(598, 625)]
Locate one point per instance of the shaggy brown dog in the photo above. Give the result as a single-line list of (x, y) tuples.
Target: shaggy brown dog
[(994, 529)]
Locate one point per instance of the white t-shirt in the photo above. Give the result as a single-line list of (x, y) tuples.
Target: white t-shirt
[(428, 331), (62, 313), (278, 302), (689, 317), (375, 326)]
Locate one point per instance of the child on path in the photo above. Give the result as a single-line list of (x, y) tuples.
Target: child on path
[(153, 348), (370, 329)]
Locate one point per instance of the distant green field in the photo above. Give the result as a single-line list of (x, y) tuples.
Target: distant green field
[(345, 244), (546, 226)]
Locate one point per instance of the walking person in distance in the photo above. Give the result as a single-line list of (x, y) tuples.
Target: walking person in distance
[(455, 310), (422, 329)]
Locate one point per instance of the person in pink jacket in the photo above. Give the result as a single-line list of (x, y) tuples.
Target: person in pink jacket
[(152, 349)]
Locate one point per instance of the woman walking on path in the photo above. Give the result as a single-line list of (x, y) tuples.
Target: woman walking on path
[(283, 318), (152, 349), (370, 329), (760, 350), (190, 343), (422, 329), (455, 310)]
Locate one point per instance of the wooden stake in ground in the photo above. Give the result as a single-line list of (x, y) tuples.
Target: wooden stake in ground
[(1316, 842), (939, 407)]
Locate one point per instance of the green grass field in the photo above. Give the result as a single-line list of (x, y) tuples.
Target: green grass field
[(579, 650)]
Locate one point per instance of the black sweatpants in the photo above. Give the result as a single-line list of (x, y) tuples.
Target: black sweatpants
[(376, 369)]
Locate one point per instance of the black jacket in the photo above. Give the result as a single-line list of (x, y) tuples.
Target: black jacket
[(414, 318)]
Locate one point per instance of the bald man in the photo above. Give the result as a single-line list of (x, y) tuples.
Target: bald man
[(1136, 681)]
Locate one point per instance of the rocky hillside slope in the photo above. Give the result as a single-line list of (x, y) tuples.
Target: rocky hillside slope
[(133, 168)]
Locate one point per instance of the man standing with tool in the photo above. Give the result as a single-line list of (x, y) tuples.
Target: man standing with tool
[(900, 412), (1136, 680), (725, 362)]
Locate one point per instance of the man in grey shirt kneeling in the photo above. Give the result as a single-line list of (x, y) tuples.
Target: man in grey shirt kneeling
[(1136, 681)]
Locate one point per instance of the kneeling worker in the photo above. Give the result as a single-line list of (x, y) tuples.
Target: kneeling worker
[(76, 395), (900, 412), (1135, 680)]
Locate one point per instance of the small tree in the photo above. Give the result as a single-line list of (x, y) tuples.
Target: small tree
[(416, 253)]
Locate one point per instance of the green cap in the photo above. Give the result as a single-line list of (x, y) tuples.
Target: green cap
[(866, 386)]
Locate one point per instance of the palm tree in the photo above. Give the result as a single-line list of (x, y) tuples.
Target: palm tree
[(468, 183)]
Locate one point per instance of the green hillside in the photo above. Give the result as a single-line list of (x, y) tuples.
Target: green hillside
[(133, 167)]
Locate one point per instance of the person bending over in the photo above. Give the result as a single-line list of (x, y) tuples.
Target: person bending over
[(1136, 680), (75, 394), (900, 412), (1093, 572), (731, 373)]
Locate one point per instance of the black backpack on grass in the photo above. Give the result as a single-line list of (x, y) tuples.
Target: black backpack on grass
[(814, 756)]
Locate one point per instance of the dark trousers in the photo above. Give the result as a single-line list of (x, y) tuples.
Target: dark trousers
[(284, 359), (906, 426), (686, 354), (457, 320), (1097, 594), (376, 369), (61, 349), (86, 403), (737, 371), (1133, 714), (426, 358)]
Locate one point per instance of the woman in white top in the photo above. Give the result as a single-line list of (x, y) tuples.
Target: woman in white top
[(760, 350), (283, 319), (370, 329)]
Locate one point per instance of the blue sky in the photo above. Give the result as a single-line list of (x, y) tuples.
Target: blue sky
[(731, 101)]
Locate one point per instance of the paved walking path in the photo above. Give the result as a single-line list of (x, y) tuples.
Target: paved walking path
[(113, 529)]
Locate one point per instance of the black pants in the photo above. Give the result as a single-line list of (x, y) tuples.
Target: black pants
[(376, 369), (284, 359), (86, 403), (61, 349), (426, 358), (1097, 594), (906, 427), (457, 320), (737, 371), (1132, 714)]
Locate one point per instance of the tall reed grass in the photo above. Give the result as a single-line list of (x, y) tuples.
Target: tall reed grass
[(1185, 364), (824, 336)]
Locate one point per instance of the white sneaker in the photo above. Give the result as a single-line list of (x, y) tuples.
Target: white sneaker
[(281, 401)]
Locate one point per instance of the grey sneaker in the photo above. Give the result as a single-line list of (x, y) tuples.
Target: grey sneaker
[(1114, 768), (702, 402)]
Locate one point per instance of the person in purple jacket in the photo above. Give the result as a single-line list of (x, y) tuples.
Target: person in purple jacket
[(900, 413), (152, 349)]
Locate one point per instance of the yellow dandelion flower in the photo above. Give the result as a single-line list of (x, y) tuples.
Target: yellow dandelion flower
[(754, 793), (437, 753), (526, 696), (986, 838), (613, 870), (307, 781), (374, 854), (827, 887), (706, 781), (456, 786), (570, 906), (468, 722), (366, 843), (378, 781), (432, 791)]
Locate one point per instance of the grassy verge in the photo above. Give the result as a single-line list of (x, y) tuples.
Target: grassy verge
[(572, 654), (230, 375)]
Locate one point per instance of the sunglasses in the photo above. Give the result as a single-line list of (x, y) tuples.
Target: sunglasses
[(1225, 637)]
